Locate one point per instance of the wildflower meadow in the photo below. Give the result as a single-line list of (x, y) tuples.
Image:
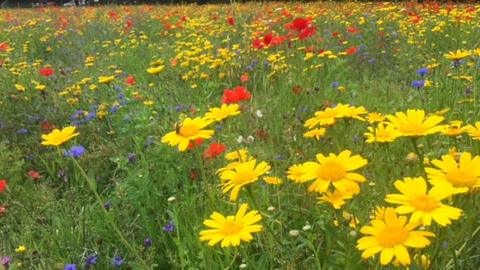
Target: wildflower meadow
[(275, 135)]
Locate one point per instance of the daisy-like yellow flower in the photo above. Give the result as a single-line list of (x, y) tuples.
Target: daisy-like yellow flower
[(243, 174), (57, 137), (296, 173), (463, 175), (322, 118), (414, 123), (335, 170), (20, 87), (390, 237), (453, 129), (40, 87), (155, 70), (190, 129), (336, 198), (20, 249), (106, 79), (231, 230), (272, 180), (316, 133), (457, 55), (382, 133), (375, 117), (241, 154), (348, 111), (218, 114), (422, 204), (473, 131)]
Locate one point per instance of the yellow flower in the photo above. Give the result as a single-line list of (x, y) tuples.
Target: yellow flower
[(457, 55), (105, 79), (20, 87), (297, 173), (391, 236), (453, 129), (335, 170), (336, 199), (375, 117), (241, 154), (231, 230), (218, 114), (40, 87), (473, 131), (414, 123), (316, 133), (243, 174), (422, 204), (155, 70), (382, 133), (348, 111), (272, 180), (189, 129), (463, 176), (149, 103), (20, 249), (323, 118), (57, 137)]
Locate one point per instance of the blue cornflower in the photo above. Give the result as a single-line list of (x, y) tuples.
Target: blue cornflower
[(422, 71), (70, 267), (107, 205), (218, 127), (169, 227), (418, 84), (91, 260), (22, 131), (132, 157), (117, 261), (147, 242), (75, 151), (335, 84)]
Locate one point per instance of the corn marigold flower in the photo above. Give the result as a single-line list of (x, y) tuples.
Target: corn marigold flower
[(423, 204), (457, 55), (20, 249), (391, 236), (382, 133), (453, 129), (58, 137), (240, 154), (414, 123), (316, 133), (331, 170), (231, 230), (272, 180), (462, 175), (106, 79), (375, 117), (326, 117), (155, 70), (336, 198), (348, 111), (225, 111), (242, 174), (473, 131), (189, 130)]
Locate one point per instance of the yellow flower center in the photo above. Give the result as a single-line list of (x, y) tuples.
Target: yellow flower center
[(424, 203), (412, 128), (245, 176), (461, 178), (392, 236), (231, 227), (331, 171), (188, 130)]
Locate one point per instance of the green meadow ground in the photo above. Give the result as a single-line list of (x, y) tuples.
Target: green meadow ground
[(130, 195)]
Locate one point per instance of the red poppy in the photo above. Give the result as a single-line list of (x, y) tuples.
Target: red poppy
[(351, 50), (244, 78), (230, 20), (3, 185), (4, 46), (307, 32), (46, 126), (214, 150), (235, 95), (353, 30), (113, 15), (34, 175), (46, 72), (130, 80), (195, 143), (299, 24)]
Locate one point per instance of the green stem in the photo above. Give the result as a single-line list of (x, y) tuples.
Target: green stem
[(419, 154), (204, 176)]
